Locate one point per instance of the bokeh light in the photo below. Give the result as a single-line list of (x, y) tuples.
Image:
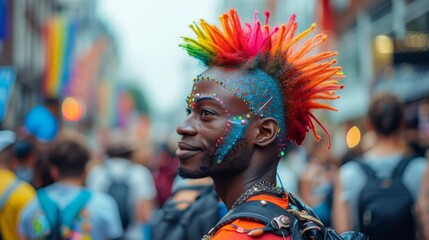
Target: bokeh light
[(353, 137), (72, 109)]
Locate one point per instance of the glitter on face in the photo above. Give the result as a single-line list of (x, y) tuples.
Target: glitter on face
[(235, 128), (260, 93)]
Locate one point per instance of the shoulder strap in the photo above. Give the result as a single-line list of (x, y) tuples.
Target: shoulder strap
[(67, 216), (72, 210), (52, 212), (298, 220), (310, 225), (369, 172), (9, 190), (258, 211), (402, 165)]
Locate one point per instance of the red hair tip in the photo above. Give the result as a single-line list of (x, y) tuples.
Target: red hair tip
[(267, 16), (267, 13)]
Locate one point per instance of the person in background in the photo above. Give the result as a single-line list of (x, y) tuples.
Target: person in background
[(83, 213), (26, 156), (21, 216), (377, 192), (190, 212), (41, 126), (130, 184)]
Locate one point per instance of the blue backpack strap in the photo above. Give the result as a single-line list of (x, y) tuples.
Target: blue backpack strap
[(9, 190), (52, 212), (397, 171), (72, 210), (369, 172), (402, 165), (57, 218)]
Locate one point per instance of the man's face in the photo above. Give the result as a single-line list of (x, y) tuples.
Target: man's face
[(216, 123)]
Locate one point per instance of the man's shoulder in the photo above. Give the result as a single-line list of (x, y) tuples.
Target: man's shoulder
[(33, 222), (23, 194), (23, 188), (418, 164), (350, 172)]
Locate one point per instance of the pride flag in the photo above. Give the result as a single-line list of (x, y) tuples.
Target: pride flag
[(59, 41)]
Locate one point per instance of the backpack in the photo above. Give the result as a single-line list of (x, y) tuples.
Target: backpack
[(120, 191), (191, 223), (386, 204), (63, 222), (298, 221), (6, 194)]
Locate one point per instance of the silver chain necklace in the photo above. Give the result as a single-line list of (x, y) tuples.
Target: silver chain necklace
[(259, 188)]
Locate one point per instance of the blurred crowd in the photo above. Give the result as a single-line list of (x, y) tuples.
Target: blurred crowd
[(118, 187)]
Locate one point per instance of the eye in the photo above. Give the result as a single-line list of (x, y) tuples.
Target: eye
[(188, 111), (207, 113)]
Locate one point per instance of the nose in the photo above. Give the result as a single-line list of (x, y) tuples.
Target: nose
[(186, 128)]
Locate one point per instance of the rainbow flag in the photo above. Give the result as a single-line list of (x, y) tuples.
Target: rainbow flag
[(59, 39)]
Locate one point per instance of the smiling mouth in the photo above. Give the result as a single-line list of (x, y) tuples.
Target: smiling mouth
[(186, 150), (183, 154)]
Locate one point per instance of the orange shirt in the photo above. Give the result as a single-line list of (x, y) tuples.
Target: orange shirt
[(229, 232)]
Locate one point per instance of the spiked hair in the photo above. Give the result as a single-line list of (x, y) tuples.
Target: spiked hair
[(303, 79)]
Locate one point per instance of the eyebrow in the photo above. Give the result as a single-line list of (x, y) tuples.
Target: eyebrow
[(204, 98)]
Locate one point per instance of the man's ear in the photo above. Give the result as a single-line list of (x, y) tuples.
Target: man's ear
[(267, 131)]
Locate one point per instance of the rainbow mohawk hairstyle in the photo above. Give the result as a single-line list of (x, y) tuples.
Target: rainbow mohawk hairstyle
[(304, 80)]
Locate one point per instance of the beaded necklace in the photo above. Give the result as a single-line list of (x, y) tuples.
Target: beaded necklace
[(264, 187)]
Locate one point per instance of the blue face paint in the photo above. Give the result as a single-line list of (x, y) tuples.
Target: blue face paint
[(236, 128)]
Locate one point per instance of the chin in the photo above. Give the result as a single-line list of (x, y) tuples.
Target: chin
[(192, 174)]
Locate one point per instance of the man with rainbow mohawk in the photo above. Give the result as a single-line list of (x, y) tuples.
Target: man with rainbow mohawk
[(255, 97)]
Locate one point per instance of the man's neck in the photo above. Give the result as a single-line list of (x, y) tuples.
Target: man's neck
[(388, 146), (72, 181), (231, 188)]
